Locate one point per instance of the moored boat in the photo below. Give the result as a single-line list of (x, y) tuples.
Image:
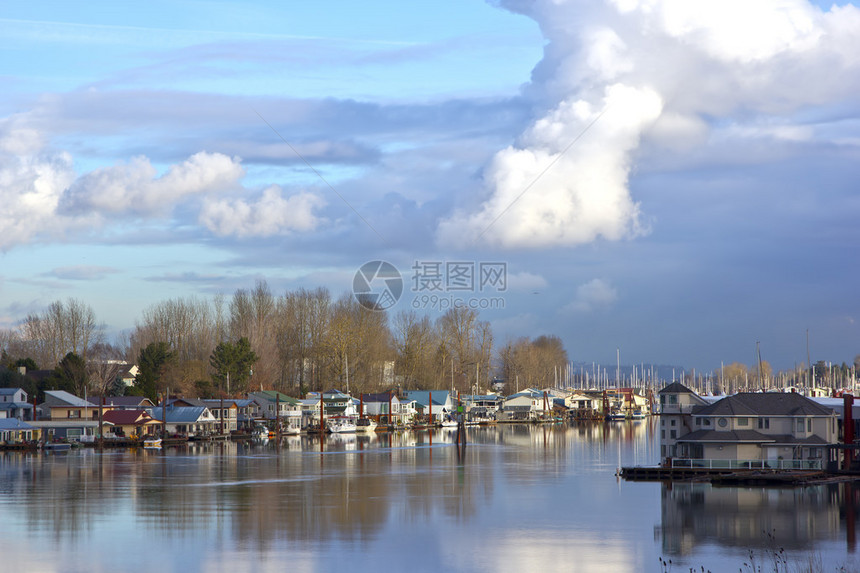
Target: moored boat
[(341, 425), (152, 442), (365, 425)]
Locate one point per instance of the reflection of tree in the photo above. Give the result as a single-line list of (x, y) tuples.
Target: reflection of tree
[(694, 513)]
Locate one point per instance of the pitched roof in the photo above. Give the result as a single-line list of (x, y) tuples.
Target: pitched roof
[(749, 436), (378, 397), (69, 399), (7, 424), (721, 437), (179, 414), (423, 396), (126, 417), (675, 388), (123, 401), (9, 391), (763, 404)]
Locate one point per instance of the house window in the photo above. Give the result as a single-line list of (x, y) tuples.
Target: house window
[(673, 399), (662, 434), (809, 424), (673, 422), (743, 421), (764, 423), (800, 425), (698, 422), (673, 434)]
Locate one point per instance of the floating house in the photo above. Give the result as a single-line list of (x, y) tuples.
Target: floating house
[(13, 404), (771, 429)]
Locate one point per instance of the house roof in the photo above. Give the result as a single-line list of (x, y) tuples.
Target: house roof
[(763, 404), (379, 397), (749, 436), (180, 414), (124, 401), (722, 437), (127, 417), (7, 424), (440, 397), (9, 391), (69, 399), (12, 405), (675, 388)]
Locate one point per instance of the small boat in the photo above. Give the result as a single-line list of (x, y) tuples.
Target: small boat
[(57, 446), (638, 415), (340, 425), (615, 416), (260, 433), (365, 425), (449, 422), (152, 442)]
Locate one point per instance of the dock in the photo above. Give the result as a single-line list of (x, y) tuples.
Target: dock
[(735, 477)]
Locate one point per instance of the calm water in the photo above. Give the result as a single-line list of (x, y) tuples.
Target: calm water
[(521, 498)]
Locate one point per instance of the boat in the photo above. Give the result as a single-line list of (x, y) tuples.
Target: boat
[(638, 415), (365, 425), (340, 425), (152, 442), (449, 422), (260, 432), (615, 416), (57, 446)]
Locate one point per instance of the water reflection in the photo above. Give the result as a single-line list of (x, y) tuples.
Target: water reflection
[(793, 518), (518, 498)]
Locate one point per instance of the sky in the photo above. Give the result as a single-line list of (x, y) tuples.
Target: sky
[(671, 180)]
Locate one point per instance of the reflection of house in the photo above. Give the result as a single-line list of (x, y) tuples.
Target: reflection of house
[(696, 513), (13, 404), (130, 422), (774, 427), (63, 405)]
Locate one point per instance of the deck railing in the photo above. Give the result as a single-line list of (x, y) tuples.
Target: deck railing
[(747, 464)]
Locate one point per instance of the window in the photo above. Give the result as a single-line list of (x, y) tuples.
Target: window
[(809, 424), (800, 425), (743, 421), (673, 398), (673, 422), (698, 422), (673, 434), (707, 421), (764, 423), (662, 434), (722, 422)]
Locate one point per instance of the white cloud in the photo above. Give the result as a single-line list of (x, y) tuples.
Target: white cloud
[(135, 188), (669, 71), (271, 214), (593, 295)]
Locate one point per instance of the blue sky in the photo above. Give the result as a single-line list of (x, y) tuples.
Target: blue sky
[(678, 180)]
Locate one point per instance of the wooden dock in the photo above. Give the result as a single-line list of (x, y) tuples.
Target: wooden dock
[(734, 477)]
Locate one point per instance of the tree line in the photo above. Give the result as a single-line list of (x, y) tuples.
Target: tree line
[(302, 340)]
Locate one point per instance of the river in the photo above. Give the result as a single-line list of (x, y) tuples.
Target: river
[(518, 498)]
